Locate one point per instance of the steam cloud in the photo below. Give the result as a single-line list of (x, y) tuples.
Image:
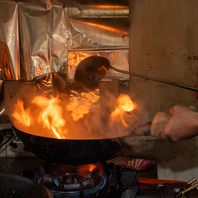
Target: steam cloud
[(96, 124)]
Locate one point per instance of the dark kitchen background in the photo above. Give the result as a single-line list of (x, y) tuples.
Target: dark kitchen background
[(152, 38)]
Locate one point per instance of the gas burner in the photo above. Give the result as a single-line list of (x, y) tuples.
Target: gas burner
[(69, 182), (73, 184), (73, 181), (65, 181)]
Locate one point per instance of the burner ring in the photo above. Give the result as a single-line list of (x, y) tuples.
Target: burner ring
[(86, 191), (76, 192), (69, 185)]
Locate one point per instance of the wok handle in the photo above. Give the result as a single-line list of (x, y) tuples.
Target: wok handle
[(191, 88), (152, 130), (160, 120), (158, 123)]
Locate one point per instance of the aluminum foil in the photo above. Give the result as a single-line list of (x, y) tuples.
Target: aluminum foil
[(44, 37)]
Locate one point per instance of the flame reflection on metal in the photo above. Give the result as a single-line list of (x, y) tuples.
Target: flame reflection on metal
[(40, 34)]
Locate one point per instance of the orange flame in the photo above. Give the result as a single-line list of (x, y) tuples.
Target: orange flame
[(91, 167), (79, 106), (124, 104), (60, 118), (53, 114), (21, 114)]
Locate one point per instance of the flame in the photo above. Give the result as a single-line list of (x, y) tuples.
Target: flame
[(51, 114), (79, 106), (64, 117), (124, 104), (90, 168), (20, 113), (84, 170)]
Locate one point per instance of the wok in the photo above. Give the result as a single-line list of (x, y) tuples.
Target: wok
[(78, 152), (68, 151), (92, 69)]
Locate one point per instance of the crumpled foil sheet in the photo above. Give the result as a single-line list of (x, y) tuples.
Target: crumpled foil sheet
[(52, 36)]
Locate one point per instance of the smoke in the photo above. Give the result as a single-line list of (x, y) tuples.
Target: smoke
[(94, 123), (102, 123)]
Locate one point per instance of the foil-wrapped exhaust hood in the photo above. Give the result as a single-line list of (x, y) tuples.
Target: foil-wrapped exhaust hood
[(45, 36)]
